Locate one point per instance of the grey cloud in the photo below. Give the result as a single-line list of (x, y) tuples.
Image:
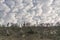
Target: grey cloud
[(33, 11)]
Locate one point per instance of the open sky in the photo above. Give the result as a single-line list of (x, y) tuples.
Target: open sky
[(33, 11)]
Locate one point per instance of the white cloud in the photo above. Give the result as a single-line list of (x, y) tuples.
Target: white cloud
[(33, 11)]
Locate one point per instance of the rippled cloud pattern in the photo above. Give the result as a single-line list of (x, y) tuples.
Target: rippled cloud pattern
[(33, 11)]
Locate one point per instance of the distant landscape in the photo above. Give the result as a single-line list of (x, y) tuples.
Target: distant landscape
[(14, 32), (29, 19)]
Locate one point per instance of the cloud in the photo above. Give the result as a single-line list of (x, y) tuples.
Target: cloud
[(33, 11)]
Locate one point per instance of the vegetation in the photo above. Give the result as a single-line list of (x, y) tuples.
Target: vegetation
[(14, 32)]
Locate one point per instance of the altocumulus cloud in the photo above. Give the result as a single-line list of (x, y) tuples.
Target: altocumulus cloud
[(33, 11)]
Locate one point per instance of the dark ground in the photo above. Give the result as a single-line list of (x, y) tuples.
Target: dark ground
[(29, 33)]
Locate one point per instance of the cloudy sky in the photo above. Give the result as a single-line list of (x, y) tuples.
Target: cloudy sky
[(33, 11)]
